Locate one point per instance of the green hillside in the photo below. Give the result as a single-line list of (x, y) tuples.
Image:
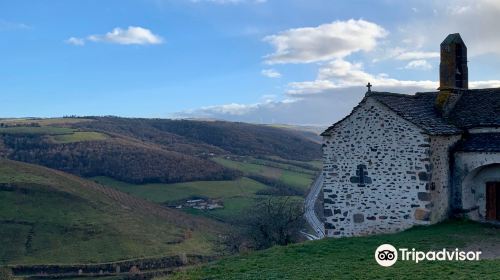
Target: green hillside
[(353, 258), (237, 138), (290, 175), (48, 216), (238, 196), (142, 151)]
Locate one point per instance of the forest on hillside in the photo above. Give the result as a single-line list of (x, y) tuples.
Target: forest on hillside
[(148, 150)]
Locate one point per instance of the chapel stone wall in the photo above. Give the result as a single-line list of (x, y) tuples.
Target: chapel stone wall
[(377, 169)]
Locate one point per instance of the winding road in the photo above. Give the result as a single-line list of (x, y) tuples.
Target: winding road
[(310, 214)]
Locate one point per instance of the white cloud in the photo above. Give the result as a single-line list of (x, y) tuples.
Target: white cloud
[(75, 41), (420, 64), (324, 42), (342, 74), (401, 53), (133, 35), (230, 109), (271, 73), (416, 55), (325, 107), (340, 84), (485, 84)]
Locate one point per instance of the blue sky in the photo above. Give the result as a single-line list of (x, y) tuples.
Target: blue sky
[(300, 62)]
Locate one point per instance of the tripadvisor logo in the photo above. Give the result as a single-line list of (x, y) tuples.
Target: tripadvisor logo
[(387, 255)]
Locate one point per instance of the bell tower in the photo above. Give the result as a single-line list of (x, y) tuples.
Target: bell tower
[(453, 72)]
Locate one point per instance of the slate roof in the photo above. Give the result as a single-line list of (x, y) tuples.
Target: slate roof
[(480, 142), (418, 109), (475, 108)]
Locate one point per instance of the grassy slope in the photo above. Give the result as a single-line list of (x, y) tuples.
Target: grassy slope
[(352, 258), (300, 178), (53, 217), (59, 135), (164, 193), (238, 195), (79, 136), (205, 137)]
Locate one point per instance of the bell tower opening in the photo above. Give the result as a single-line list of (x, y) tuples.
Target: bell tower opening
[(453, 71)]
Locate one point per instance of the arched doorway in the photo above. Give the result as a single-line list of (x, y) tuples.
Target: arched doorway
[(481, 193)]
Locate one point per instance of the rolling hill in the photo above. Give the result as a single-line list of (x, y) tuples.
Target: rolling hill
[(147, 150), (129, 171), (48, 216)]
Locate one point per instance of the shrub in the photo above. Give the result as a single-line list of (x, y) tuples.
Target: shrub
[(6, 273)]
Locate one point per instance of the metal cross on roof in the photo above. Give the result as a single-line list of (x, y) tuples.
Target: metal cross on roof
[(369, 86)]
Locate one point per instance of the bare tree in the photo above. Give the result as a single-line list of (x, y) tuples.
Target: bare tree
[(276, 221)]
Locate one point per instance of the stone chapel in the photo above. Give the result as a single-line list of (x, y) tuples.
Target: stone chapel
[(400, 160)]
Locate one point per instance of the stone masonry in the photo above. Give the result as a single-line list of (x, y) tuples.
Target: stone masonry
[(377, 173)]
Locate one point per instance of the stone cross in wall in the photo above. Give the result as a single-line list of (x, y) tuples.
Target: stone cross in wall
[(361, 177)]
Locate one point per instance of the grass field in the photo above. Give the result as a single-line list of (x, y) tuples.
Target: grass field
[(238, 195), (318, 164), (283, 165), (58, 135), (51, 217), (79, 136), (299, 178), (353, 258), (164, 193)]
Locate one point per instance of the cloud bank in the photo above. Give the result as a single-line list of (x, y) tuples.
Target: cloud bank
[(340, 82)]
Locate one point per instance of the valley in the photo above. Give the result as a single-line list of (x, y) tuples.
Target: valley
[(94, 190)]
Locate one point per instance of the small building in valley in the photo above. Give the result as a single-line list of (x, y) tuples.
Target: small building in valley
[(400, 160)]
